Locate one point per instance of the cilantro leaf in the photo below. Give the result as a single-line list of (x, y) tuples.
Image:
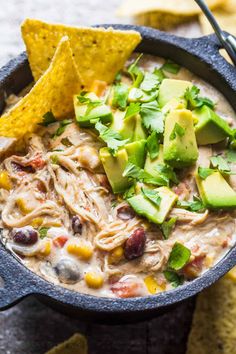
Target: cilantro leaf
[(205, 172), (135, 72), (152, 195), (196, 205), (173, 278), (62, 127), (48, 118), (110, 137), (152, 117), (130, 192), (82, 98), (167, 174), (160, 74), (120, 96), (66, 142), (194, 100), (150, 82), (133, 171), (132, 110), (231, 155), (167, 227), (43, 232), (171, 67), (179, 257), (177, 130), (153, 145), (220, 163)]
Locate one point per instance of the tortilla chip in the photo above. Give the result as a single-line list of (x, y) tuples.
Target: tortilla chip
[(77, 344), (173, 7), (53, 92), (98, 53), (214, 323), (162, 21)]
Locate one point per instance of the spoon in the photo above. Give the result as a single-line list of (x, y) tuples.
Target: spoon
[(227, 41)]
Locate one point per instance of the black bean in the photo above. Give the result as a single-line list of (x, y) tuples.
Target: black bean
[(76, 224), (25, 236), (134, 246), (67, 271), (125, 212)]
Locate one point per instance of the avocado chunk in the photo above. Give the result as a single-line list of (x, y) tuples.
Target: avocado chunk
[(114, 166), (150, 165), (215, 192), (210, 128), (85, 112), (180, 146), (137, 152), (171, 88), (125, 127), (174, 103), (155, 214), (139, 130)]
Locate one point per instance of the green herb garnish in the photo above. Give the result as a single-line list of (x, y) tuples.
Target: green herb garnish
[(195, 101), (177, 130), (54, 158), (66, 142), (132, 110), (150, 82), (130, 192), (43, 232), (62, 127), (171, 67), (220, 163), (203, 172), (167, 227), (179, 257), (135, 72), (153, 145), (167, 174), (48, 118), (110, 137), (231, 155), (152, 117), (173, 278), (195, 205), (160, 74), (152, 195), (120, 96)]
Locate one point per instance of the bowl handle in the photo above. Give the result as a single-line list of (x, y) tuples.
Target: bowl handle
[(14, 284)]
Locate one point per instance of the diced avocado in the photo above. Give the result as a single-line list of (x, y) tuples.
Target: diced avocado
[(150, 165), (174, 103), (210, 128), (171, 88), (86, 113), (180, 150), (153, 213), (215, 192), (125, 127), (139, 130), (114, 167), (136, 152)]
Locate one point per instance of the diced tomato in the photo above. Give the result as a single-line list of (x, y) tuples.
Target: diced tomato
[(37, 162), (193, 268), (60, 241), (126, 289)]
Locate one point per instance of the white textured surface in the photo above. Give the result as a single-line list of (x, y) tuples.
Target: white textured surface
[(74, 12)]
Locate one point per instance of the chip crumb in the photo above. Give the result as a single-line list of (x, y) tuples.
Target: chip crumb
[(77, 344)]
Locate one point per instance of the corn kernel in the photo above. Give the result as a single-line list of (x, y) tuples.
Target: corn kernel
[(36, 222), (22, 206), (5, 181), (208, 261), (232, 274), (55, 224), (116, 255), (152, 285), (98, 87), (46, 249), (93, 280), (80, 250)]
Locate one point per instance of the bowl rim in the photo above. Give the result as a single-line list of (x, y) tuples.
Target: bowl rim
[(204, 50)]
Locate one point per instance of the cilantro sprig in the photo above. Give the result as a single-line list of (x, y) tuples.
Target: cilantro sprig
[(62, 127), (171, 67), (195, 101), (167, 227), (152, 117), (110, 137), (152, 195), (48, 118), (153, 145), (120, 96), (179, 257), (196, 205)]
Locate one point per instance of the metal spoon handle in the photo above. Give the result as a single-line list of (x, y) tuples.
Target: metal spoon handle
[(229, 42)]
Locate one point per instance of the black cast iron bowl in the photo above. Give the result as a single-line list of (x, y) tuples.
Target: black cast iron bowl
[(201, 56)]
